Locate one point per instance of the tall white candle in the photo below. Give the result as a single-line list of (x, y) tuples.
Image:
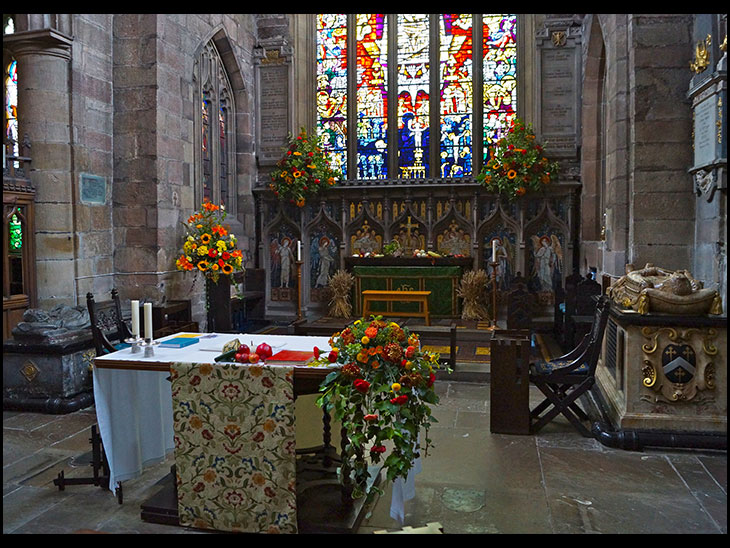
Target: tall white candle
[(299, 250), (148, 321), (494, 251), (135, 319)]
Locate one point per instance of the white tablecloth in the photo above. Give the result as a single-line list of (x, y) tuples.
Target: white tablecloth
[(134, 408)]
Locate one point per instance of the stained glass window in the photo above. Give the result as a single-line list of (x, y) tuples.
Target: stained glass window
[(413, 95), (11, 109), (457, 95), (500, 76), (372, 96), (207, 184), (332, 87), (16, 233), (421, 70)]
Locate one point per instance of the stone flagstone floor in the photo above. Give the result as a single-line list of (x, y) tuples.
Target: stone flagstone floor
[(471, 482)]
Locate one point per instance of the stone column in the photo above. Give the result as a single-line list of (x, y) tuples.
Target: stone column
[(44, 103)]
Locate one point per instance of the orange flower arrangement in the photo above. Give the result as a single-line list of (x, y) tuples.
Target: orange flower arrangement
[(517, 164), (208, 245), (382, 391), (303, 171)]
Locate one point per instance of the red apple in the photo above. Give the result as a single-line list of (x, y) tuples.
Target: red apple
[(244, 349), (264, 350), (238, 357)]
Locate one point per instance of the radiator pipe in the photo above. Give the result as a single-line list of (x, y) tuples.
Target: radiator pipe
[(637, 440)]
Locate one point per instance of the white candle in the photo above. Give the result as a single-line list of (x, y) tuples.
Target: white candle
[(299, 251), (148, 321), (494, 251), (135, 319)]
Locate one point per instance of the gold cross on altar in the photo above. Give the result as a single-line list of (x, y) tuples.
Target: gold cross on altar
[(408, 227)]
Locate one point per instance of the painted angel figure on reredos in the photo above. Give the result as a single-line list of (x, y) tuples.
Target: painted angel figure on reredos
[(547, 265)]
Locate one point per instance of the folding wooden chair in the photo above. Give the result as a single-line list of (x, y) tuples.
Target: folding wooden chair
[(563, 380), (109, 331)]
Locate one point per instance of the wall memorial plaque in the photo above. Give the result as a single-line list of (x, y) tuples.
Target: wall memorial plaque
[(705, 131), (558, 99), (273, 96), (93, 189)]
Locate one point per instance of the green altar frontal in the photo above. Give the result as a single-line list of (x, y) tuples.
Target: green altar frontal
[(441, 281)]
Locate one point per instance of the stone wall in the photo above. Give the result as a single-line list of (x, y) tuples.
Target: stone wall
[(107, 108)]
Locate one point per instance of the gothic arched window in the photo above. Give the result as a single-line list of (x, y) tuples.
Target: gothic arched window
[(426, 94), (11, 98), (214, 128)]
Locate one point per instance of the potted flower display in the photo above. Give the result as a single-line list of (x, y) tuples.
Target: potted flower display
[(210, 248), (382, 394), (517, 164), (303, 171)]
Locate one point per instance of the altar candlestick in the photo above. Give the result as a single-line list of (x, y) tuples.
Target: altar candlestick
[(148, 321), (135, 319), (494, 251), (299, 251)]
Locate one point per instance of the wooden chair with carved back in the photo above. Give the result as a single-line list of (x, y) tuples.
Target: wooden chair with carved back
[(520, 307), (107, 325), (579, 314), (563, 380), (564, 307)]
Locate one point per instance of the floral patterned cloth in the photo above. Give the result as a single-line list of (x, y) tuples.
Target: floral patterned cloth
[(235, 447)]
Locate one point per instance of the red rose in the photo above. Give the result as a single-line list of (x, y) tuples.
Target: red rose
[(431, 380), (332, 357), (316, 352), (377, 449), (370, 417), (399, 400), (410, 351), (361, 385)]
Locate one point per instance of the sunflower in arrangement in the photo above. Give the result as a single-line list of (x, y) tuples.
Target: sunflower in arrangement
[(208, 246), (303, 171), (382, 392), (517, 164)]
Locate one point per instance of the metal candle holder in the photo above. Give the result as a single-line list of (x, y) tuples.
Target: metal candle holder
[(135, 343), (149, 347)]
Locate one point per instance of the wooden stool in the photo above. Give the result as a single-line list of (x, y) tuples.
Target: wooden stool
[(371, 295)]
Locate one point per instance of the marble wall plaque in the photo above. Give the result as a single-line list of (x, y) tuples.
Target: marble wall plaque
[(705, 131), (273, 98)]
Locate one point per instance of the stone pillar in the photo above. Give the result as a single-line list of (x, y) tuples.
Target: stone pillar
[(44, 98)]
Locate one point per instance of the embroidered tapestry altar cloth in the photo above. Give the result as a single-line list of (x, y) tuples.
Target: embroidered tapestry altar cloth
[(235, 447)]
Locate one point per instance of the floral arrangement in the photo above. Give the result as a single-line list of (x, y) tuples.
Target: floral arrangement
[(303, 171), (382, 393), (517, 164), (208, 245)]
